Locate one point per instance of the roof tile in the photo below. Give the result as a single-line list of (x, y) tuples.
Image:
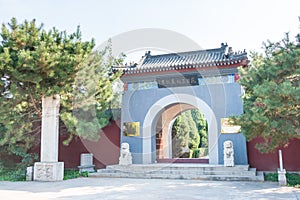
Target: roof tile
[(187, 60)]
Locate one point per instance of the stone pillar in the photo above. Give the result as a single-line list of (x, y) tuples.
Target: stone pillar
[(281, 171), (29, 173), (282, 177), (49, 169)]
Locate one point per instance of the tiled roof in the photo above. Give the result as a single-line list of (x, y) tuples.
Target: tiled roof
[(222, 56)]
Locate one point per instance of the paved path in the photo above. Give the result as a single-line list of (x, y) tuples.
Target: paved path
[(144, 189)]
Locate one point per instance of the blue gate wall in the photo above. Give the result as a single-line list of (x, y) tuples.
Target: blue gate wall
[(224, 99)]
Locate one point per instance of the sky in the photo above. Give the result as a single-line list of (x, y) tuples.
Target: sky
[(243, 24)]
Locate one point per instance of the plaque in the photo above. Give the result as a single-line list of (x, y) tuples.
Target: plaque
[(131, 128), (226, 127), (180, 81)]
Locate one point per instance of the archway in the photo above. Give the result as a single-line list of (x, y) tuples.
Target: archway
[(167, 140), (189, 138), (164, 129), (153, 114)]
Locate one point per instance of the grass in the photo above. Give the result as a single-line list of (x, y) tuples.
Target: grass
[(12, 175), (72, 173), (292, 179), (271, 177), (20, 175)]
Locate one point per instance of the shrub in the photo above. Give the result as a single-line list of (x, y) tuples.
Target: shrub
[(292, 179), (200, 152), (72, 173), (12, 175)]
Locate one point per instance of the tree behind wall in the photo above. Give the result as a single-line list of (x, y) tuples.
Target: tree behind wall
[(272, 95), (35, 62), (185, 134), (202, 127)]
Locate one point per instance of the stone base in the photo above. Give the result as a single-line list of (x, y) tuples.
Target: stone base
[(127, 160), (48, 171), (282, 177), (89, 168), (229, 163)]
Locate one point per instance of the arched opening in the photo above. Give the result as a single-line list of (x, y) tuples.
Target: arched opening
[(189, 135), (164, 129), (181, 132), (151, 125)]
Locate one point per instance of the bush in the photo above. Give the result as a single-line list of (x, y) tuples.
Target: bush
[(271, 177), (196, 153), (191, 153), (20, 174), (12, 175), (72, 173), (292, 179), (200, 152)]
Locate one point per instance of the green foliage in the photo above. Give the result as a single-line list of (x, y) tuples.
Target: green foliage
[(189, 131), (12, 174), (271, 177), (36, 63), (19, 174), (200, 152), (292, 179), (71, 174), (202, 127), (180, 133), (272, 95), (92, 100), (194, 138)]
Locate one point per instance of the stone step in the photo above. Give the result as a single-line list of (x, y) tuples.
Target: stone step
[(185, 171), (181, 171), (198, 167), (178, 176)]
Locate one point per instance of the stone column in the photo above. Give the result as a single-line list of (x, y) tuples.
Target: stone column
[(281, 171), (49, 169)]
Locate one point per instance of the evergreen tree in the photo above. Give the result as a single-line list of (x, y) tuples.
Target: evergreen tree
[(272, 95), (202, 127), (194, 138), (185, 134), (180, 135), (34, 63)]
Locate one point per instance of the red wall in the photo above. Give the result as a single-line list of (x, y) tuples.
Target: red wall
[(270, 162), (106, 150)]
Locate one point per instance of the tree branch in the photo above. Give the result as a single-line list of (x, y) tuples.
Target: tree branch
[(37, 110)]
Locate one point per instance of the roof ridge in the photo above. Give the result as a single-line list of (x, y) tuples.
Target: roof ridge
[(221, 49), (204, 58)]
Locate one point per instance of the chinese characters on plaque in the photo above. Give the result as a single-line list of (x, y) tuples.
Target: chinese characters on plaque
[(227, 127), (131, 128), (179, 81)]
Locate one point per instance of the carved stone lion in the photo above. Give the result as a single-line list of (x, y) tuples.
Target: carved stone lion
[(125, 157), (228, 154)]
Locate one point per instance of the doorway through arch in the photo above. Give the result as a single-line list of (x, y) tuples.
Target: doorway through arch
[(155, 112), (183, 147)]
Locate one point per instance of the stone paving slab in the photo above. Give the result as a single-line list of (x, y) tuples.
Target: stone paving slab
[(144, 189)]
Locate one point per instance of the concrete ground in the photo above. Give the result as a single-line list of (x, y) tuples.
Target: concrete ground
[(144, 189)]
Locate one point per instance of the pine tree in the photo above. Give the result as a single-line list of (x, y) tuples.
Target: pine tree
[(202, 127), (272, 95), (180, 135), (194, 137), (185, 134), (35, 63)]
